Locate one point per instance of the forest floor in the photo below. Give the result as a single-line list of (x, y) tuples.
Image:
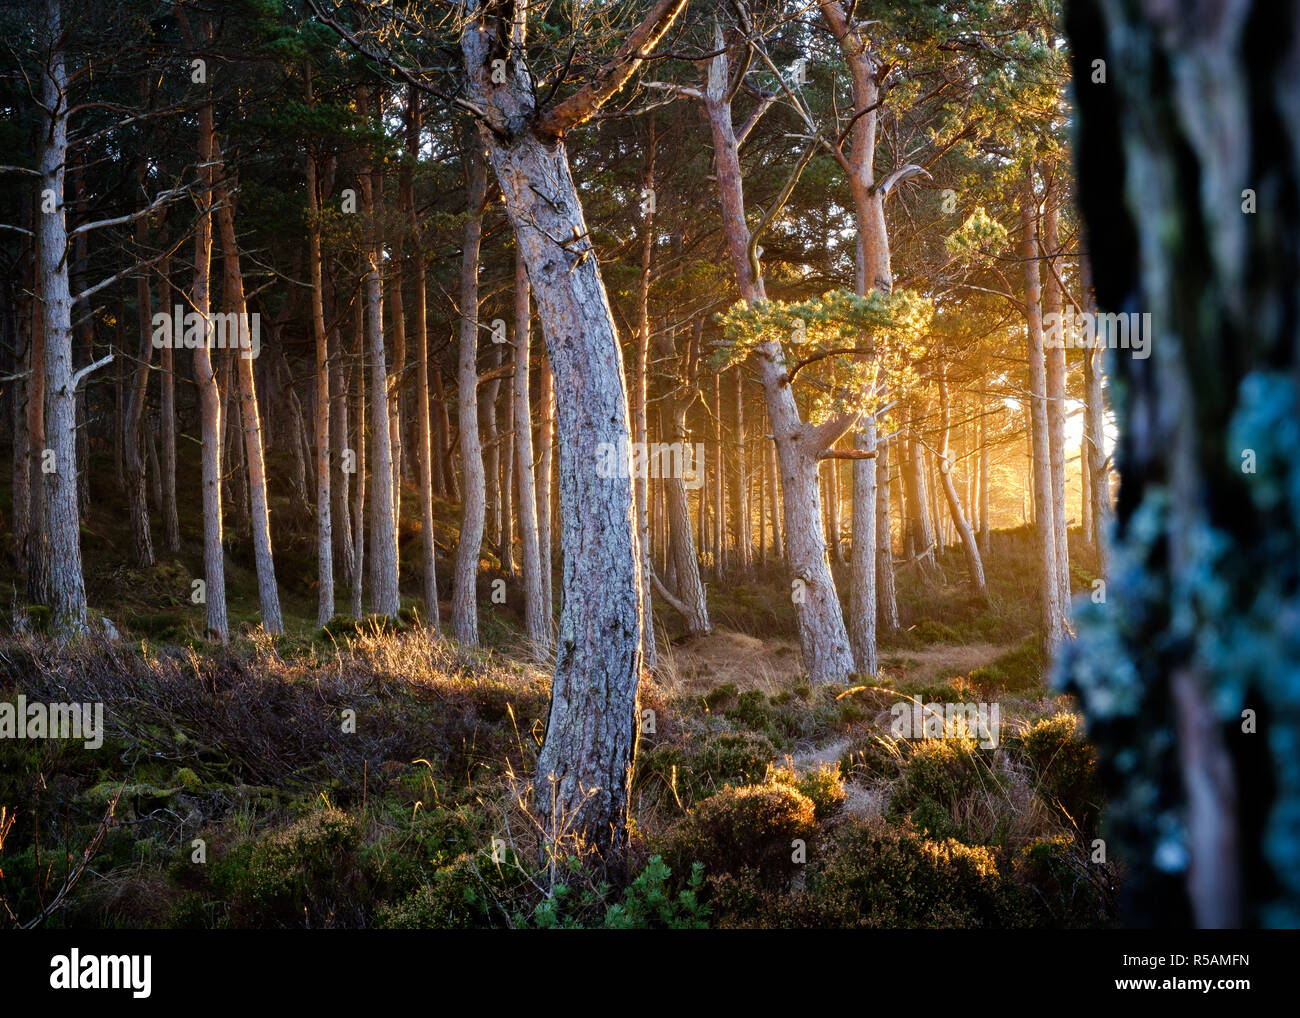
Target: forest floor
[(242, 794)]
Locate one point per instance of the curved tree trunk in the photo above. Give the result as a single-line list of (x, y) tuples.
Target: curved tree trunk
[(584, 770), (822, 635)]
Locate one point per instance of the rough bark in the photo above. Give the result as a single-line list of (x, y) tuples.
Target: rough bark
[(584, 770), (67, 584)]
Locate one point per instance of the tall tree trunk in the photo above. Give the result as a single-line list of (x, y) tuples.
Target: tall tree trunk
[(167, 418), (536, 626), (464, 596), (689, 600), (268, 592), (886, 593), (822, 634), (1055, 364), (445, 445), (862, 583), (984, 482), (324, 521), (424, 437), (489, 392), (339, 484), (719, 485), (584, 769), (61, 521), (359, 453), (385, 599), (210, 425), (774, 498), (920, 534), (639, 396), (507, 481), (974, 565), (739, 479), (1049, 594)]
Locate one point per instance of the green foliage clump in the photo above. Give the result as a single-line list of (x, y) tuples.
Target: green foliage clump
[(1065, 766), (939, 777), (1017, 671), (931, 631), (750, 826), (301, 866), (823, 785), (648, 903), (879, 876), (472, 892), (752, 711), (738, 758), (1071, 891)]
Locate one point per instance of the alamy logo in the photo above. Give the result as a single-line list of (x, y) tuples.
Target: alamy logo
[(915, 720), (653, 459), (180, 329), (74, 971), (1087, 331), (36, 720)]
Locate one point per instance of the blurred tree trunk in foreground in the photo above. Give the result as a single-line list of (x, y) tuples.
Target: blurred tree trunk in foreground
[(1188, 123)]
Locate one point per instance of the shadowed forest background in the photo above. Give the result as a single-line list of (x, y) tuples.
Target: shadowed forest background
[(506, 464)]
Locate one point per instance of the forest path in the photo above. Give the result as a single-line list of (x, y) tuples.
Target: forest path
[(700, 665)]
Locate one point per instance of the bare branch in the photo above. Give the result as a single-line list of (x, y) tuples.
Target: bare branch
[(584, 103)]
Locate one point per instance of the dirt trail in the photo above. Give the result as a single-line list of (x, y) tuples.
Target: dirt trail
[(698, 665)]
